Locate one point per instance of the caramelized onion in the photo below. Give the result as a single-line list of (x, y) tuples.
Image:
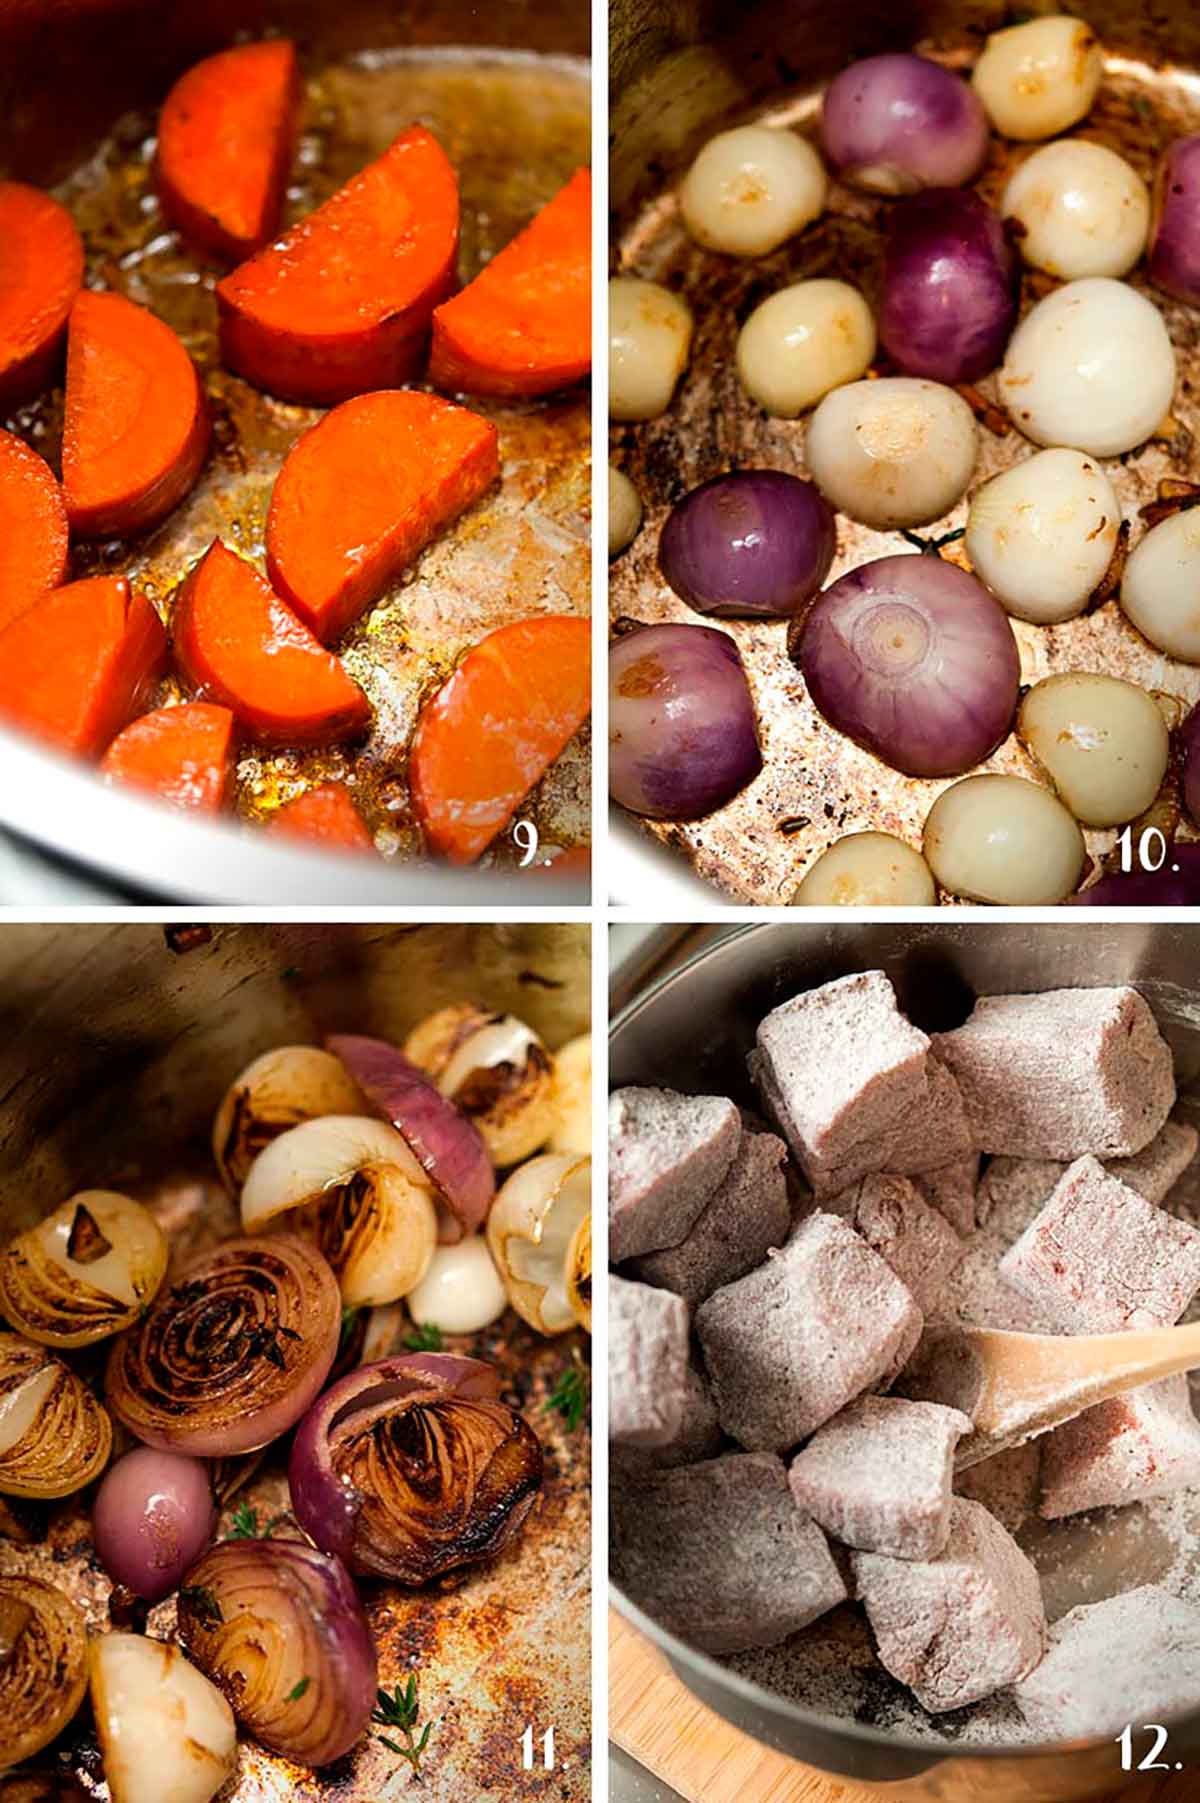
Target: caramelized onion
[(413, 1466), (579, 1273), (277, 1090), (448, 1147), (43, 1665), (233, 1352), (54, 1436), (573, 1097), (83, 1273), (532, 1235), (496, 1070), (278, 1626), (164, 1730)]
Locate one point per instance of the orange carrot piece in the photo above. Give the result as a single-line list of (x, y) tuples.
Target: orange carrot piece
[(362, 493), (136, 428), (33, 528), (80, 663), (226, 137), (41, 267), (184, 755), (238, 645), (341, 303), (326, 816), (493, 730), (524, 325)]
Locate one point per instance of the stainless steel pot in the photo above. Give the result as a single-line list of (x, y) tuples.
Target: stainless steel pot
[(114, 1051), (691, 1029), (69, 70)]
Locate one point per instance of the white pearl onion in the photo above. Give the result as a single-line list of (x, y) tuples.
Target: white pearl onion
[(649, 342), (1161, 583), (867, 870), (462, 1290), (803, 341), (624, 511), (1038, 78), (895, 452), (1004, 840), (1090, 366), (1102, 742), (750, 189), (1042, 534), (1081, 208)]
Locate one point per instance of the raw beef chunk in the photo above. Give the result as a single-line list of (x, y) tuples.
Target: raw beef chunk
[(1132, 1658), (698, 1435), (748, 1214), (1152, 1172), (918, 1243), (1126, 1450), (647, 1363), (666, 1155)]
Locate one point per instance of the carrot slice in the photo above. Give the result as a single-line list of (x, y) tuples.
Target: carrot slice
[(362, 493), (238, 645), (226, 137), (80, 663), (326, 815), (341, 303), (493, 730), (41, 267), (524, 325), (184, 755), (33, 528), (136, 428)]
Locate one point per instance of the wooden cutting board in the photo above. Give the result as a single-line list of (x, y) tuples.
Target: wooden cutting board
[(656, 1720)]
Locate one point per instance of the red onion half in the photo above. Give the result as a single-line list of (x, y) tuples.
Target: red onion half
[(279, 1628), (682, 737), (949, 287), (898, 122), (1175, 884), (153, 1516), (1173, 259), (412, 1466), (913, 659), (1189, 741), (754, 542), (448, 1147)]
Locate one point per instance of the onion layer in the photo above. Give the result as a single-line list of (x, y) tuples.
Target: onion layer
[(949, 287), (1189, 740), (573, 1097), (682, 736), (83, 1273), (233, 1352), (532, 1233), (54, 1436), (164, 1730), (414, 1466), (279, 1628), (912, 658), (461, 1292), (153, 1516), (43, 1665), (753, 542), (448, 1147), (897, 122), (277, 1090), (495, 1070)]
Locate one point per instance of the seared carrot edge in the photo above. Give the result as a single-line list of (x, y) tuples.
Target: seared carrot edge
[(81, 662), (493, 730), (326, 816), (39, 238), (273, 330), (523, 326), (233, 636), (419, 459), (226, 138), (184, 755), (162, 458), (33, 528)]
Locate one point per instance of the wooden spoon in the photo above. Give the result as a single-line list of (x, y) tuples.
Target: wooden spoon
[(1015, 1386)]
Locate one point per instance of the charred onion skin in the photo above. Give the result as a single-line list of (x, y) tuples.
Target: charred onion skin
[(277, 1090), (43, 1665), (68, 1439), (510, 1101), (261, 1616), (56, 1304), (232, 1353), (414, 1466)]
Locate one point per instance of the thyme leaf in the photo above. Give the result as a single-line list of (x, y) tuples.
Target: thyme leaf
[(203, 1604), (297, 1690), (424, 1338), (570, 1395), (400, 1711), (243, 1524)]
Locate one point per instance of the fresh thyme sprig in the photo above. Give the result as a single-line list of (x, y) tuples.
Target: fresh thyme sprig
[(425, 1337), (570, 1394), (400, 1711), (243, 1524)]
